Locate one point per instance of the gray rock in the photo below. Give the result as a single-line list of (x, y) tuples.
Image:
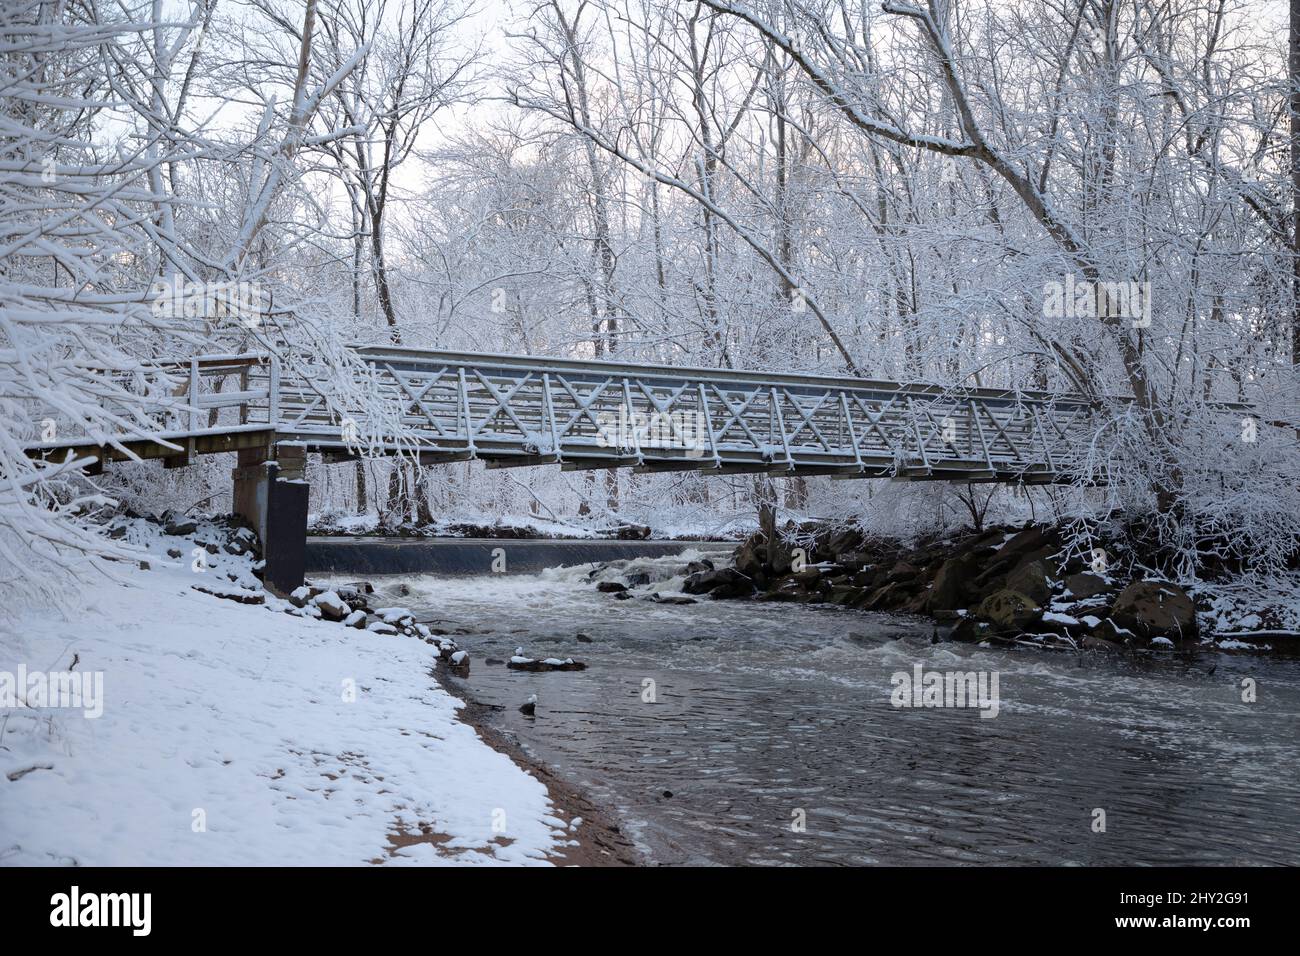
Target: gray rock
[(1032, 581), (1086, 585), (750, 557), (1009, 610), (953, 584), (722, 583), (332, 607), (1156, 609), (970, 631), (179, 525), (671, 599)]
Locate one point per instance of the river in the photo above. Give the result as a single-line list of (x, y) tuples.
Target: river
[(737, 732)]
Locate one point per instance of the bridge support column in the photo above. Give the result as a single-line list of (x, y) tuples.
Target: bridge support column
[(271, 494)]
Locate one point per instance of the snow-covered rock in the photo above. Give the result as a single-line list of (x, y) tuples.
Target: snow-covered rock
[(393, 615), (332, 607)]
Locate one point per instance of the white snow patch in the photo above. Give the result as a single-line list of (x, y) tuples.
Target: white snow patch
[(1052, 617), (228, 738)]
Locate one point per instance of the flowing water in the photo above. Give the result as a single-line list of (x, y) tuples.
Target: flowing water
[(769, 735)]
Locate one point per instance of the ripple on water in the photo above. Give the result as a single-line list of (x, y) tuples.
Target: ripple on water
[(765, 714)]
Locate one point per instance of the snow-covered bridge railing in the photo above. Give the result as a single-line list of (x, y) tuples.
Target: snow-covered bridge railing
[(169, 409), (524, 410)]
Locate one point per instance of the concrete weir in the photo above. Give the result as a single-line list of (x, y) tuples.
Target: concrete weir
[(466, 556), (271, 493)]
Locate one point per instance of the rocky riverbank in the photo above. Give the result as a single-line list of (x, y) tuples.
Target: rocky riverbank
[(1021, 585)]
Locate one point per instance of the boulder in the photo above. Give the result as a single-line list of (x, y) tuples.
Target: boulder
[(1092, 642), (1031, 579), (332, 607), (854, 561), (953, 584), (808, 577), (844, 542), (843, 594), (352, 595), (1032, 538), (1086, 585), (722, 583), (241, 595), (1153, 609), (988, 542), (750, 557), (518, 663), (179, 525), (970, 631), (785, 589), (903, 571), (865, 578), (886, 597), (671, 598), (1009, 610), (611, 587)]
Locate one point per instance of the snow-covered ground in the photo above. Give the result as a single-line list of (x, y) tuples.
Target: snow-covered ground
[(235, 734)]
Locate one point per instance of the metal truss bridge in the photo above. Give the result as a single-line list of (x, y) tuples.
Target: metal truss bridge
[(525, 410)]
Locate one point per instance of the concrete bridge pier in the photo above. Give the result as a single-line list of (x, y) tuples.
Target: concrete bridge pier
[(271, 494)]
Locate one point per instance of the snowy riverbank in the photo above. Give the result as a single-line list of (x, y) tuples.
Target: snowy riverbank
[(237, 734)]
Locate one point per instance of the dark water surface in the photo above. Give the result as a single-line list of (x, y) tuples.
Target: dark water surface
[(766, 714)]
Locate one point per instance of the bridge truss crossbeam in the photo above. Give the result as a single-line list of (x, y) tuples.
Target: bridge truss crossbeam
[(518, 411)]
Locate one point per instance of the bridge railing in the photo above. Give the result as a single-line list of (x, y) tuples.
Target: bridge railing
[(168, 400), (522, 410)]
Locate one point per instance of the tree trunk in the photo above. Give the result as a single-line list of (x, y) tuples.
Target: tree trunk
[(1293, 73)]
